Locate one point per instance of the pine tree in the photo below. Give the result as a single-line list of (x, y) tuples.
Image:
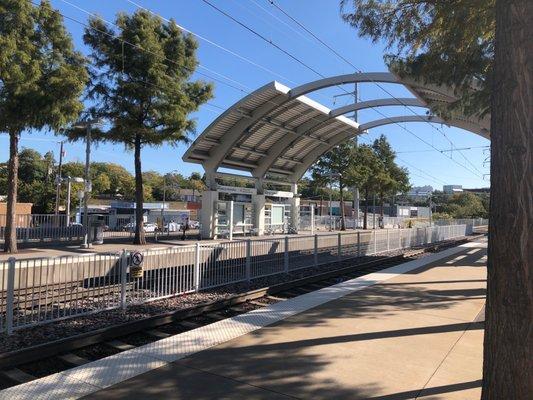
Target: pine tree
[(41, 80), (141, 80)]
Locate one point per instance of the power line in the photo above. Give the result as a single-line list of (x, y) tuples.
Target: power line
[(272, 43), (200, 37), (143, 49), (302, 26), (240, 23), (442, 150), (219, 46), (434, 178), (253, 31), (284, 52)]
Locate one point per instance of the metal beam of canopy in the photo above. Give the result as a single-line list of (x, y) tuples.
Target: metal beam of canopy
[(310, 159)]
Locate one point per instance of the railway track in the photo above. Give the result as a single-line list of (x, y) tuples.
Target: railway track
[(45, 359)]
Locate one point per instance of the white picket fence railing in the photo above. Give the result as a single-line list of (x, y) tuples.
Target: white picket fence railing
[(40, 290)]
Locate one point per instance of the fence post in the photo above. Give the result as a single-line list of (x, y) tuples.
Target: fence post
[(286, 255), (123, 262), (388, 241), (10, 298), (375, 243), (315, 250), (339, 246), (358, 244), (399, 239), (248, 255), (197, 267)]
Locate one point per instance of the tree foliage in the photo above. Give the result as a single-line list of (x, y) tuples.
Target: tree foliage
[(144, 88), (370, 168), (332, 169), (465, 205), (41, 80), (444, 42)]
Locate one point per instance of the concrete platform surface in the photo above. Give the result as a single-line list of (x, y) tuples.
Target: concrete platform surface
[(418, 335)]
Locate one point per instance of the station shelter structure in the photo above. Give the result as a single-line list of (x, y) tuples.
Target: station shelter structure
[(272, 136)]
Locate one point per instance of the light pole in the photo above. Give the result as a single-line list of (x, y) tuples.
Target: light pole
[(69, 181), (374, 211)]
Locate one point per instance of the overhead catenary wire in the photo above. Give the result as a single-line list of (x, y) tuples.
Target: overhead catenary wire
[(434, 178), (138, 47), (294, 58), (142, 49), (339, 55), (213, 43), (443, 150), (301, 62)]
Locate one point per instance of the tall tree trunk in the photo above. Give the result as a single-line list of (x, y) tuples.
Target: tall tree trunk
[(10, 240), (507, 363), (365, 225), (139, 195), (381, 203), (341, 205)]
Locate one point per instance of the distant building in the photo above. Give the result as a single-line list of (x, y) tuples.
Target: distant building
[(420, 192), (478, 190), (22, 212), (452, 189)]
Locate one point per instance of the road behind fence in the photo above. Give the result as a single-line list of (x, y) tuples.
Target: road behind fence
[(40, 290)]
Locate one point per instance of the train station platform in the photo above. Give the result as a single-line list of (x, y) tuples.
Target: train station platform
[(413, 331)]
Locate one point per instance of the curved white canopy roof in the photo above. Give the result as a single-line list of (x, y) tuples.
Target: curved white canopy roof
[(278, 130)]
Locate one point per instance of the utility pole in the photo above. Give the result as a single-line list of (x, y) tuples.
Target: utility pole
[(356, 200), (59, 178), (87, 188), (86, 177)]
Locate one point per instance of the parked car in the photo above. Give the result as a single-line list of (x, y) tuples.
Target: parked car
[(148, 227), (172, 227), (129, 227), (194, 224)]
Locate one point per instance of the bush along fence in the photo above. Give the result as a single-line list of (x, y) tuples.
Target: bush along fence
[(41, 290)]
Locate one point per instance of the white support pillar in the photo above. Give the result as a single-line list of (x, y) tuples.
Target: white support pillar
[(230, 219), (312, 214), (207, 214), (295, 213), (295, 208), (259, 201)]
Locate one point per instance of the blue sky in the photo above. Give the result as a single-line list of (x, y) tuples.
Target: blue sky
[(426, 165)]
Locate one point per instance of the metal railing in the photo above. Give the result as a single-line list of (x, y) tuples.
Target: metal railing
[(42, 228), (40, 290)]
